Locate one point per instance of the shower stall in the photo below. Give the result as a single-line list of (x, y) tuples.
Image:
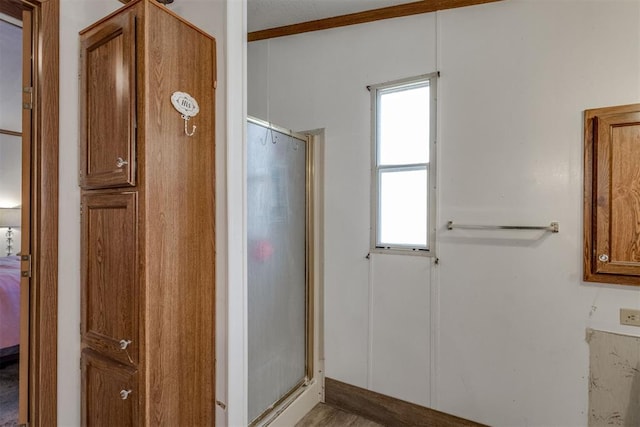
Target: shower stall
[(280, 263)]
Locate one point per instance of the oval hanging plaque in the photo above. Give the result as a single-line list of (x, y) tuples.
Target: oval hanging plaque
[(185, 104)]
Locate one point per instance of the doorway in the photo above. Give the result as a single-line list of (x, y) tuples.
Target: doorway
[(11, 136), (29, 201)]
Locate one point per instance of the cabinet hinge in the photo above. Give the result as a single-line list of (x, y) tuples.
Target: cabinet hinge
[(27, 272), (28, 105)]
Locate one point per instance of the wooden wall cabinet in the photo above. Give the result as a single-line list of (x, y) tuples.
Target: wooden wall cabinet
[(147, 221), (612, 195), (108, 97)]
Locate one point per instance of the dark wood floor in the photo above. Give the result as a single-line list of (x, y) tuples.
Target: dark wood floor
[(323, 415)]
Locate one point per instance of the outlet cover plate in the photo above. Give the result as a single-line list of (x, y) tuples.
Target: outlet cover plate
[(629, 317)]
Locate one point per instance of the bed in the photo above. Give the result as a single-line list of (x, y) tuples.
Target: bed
[(9, 307)]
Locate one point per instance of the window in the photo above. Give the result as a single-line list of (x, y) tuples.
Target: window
[(404, 165)]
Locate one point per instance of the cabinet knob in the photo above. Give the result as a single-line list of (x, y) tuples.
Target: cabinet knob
[(124, 394), (121, 162), (124, 344), (603, 257)]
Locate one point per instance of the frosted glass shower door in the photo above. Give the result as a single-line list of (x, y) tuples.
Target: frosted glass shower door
[(277, 265)]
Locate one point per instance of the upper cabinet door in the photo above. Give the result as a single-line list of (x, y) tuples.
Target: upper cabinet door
[(612, 195), (108, 103)]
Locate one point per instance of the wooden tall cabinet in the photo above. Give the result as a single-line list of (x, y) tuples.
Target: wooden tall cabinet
[(612, 195), (147, 221)]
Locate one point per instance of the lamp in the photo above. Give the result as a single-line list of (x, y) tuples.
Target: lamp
[(9, 217)]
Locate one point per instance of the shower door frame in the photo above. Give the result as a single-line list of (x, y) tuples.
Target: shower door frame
[(271, 413)]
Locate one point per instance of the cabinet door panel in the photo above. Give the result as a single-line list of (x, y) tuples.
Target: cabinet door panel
[(612, 195), (109, 274), (109, 392), (618, 194), (108, 104)]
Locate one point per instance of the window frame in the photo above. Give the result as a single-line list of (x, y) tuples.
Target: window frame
[(377, 91)]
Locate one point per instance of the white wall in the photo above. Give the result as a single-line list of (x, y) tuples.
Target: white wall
[(508, 310), (319, 80), (74, 16), (516, 77)]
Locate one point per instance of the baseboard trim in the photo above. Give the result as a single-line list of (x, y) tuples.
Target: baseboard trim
[(387, 410)]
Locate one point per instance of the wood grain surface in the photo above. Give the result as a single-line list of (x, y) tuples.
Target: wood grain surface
[(397, 11), (102, 383), (387, 410), (25, 212), (323, 415), (174, 183), (109, 274), (623, 216), (13, 8), (44, 217), (611, 201), (179, 210), (108, 104)]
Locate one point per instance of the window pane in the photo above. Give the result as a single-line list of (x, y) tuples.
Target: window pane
[(404, 126), (403, 208)]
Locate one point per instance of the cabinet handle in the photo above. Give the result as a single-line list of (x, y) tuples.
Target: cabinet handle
[(124, 394), (603, 257), (121, 162), (124, 344)]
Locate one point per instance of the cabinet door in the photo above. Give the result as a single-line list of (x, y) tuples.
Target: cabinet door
[(614, 199), (109, 392), (109, 275), (108, 103)]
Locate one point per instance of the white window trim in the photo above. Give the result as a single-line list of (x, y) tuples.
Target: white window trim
[(431, 168)]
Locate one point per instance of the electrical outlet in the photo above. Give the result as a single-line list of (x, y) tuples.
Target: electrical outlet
[(629, 317)]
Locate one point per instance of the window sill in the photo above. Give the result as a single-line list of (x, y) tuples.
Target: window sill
[(398, 251)]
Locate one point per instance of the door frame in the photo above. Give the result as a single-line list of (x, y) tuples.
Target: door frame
[(43, 305)]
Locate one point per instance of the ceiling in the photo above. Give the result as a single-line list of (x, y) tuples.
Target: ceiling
[(263, 14)]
